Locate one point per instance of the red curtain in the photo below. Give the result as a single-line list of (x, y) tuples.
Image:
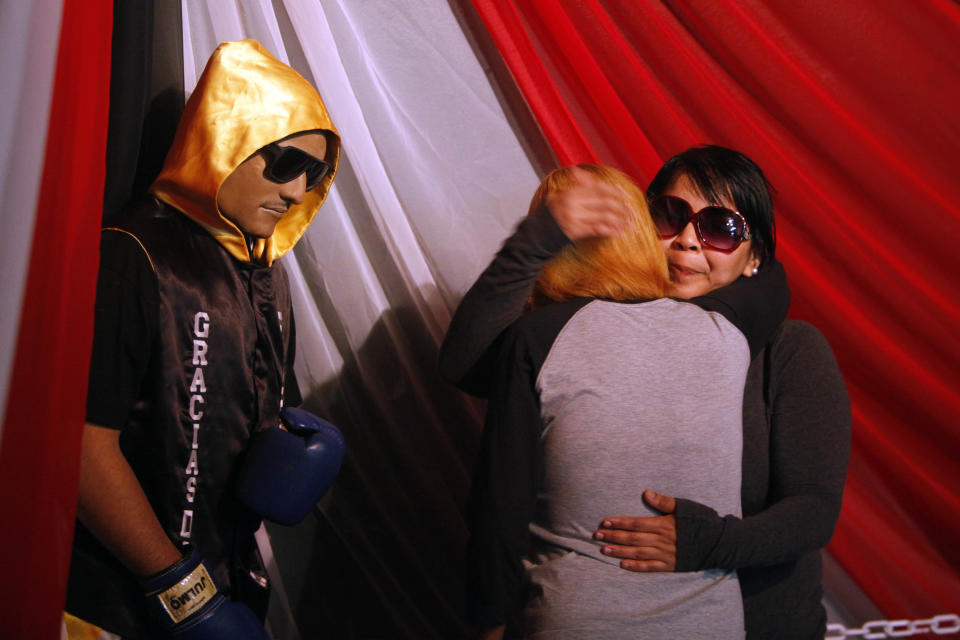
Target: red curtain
[(44, 414), (853, 111)]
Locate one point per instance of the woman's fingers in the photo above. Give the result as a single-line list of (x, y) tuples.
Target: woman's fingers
[(648, 565), (645, 544), (660, 502), (662, 525), (631, 538), (643, 557), (635, 552), (589, 208)]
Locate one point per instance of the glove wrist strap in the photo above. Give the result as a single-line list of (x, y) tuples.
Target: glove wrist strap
[(181, 590)]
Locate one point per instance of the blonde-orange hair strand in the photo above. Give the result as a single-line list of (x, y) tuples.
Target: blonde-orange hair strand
[(623, 267)]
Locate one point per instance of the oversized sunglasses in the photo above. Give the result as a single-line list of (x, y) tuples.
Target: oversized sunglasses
[(287, 163), (717, 227)]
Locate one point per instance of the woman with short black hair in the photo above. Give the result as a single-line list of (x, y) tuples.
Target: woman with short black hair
[(579, 421), (796, 413)]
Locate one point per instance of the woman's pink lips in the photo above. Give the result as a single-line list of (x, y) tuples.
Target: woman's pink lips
[(682, 270)]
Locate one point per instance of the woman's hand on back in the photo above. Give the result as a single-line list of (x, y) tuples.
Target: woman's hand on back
[(645, 544)]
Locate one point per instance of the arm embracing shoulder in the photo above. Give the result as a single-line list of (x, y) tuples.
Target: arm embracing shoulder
[(495, 300), (809, 450), (756, 305)]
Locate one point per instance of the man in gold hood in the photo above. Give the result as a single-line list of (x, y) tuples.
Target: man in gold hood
[(193, 353)]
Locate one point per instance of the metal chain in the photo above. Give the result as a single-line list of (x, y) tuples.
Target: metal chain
[(941, 625)]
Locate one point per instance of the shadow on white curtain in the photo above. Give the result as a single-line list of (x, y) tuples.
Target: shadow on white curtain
[(432, 179)]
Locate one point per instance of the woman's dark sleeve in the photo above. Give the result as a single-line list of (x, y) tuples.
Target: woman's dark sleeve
[(495, 300), (503, 494), (809, 451), (756, 305)]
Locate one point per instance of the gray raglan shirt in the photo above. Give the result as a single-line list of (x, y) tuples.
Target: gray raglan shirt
[(594, 401)]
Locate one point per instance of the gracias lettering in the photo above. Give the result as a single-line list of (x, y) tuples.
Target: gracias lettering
[(198, 387)]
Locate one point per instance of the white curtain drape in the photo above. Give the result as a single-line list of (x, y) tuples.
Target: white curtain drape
[(432, 179), (30, 33)]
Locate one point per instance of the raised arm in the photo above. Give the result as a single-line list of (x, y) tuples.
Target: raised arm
[(496, 299)]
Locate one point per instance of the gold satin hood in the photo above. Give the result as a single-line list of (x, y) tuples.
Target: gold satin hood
[(244, 100)]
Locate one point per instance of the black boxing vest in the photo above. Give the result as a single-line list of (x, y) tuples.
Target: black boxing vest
[(216, 375)]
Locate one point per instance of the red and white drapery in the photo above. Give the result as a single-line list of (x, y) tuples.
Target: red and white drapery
[(53, 171), (850, 108)]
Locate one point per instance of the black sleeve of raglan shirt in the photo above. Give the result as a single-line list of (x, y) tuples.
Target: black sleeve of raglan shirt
[(124, 328), (809, 451), (495, 300), (508, 474), (756, 306)]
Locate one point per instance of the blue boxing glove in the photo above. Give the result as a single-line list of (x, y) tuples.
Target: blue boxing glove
[(189, 606), (285, 472)]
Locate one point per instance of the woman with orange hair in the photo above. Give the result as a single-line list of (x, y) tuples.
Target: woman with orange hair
[(605, 377)]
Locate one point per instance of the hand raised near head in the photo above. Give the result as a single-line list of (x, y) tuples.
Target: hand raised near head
[(589, 208)]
